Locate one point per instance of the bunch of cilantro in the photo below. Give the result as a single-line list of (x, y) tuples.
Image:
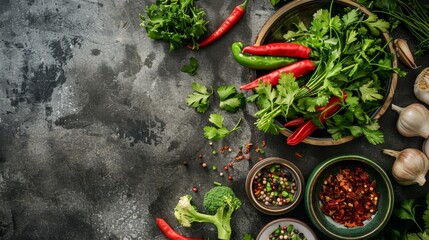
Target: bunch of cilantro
[(178, 22), (351, 57)]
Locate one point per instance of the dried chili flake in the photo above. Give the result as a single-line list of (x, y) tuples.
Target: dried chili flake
[(298, 155), (349, 197), (264, 143)]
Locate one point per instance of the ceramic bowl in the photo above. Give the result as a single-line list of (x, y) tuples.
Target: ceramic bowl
[(297, 224), (285, 19), (325, 223), (289, 168)]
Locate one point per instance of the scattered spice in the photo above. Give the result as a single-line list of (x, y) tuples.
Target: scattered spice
[(229, 164), (260, 158), (185, 163), (349, 197), (286, 232), (204, 165), (214, 168), (214, 152), (221, 174), (274, 185), (264, 143), (299, 155), (230, 177), (225, 168), (194, 189)]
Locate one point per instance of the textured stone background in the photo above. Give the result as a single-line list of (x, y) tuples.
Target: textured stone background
[(94, 127)]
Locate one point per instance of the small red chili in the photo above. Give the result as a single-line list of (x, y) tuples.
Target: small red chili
[(229, 22), (298, 69), (285, 49), (294, 122), (309, 127), (169, 231)]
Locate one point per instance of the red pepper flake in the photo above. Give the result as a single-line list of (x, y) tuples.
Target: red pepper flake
[(264, 143), (257, 149), (259, 158), (349, 197), (239, 157), (248, 158), (298, 155)]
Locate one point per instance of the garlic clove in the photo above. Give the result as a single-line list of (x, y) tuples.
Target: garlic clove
[(421, 86), (404, 53)]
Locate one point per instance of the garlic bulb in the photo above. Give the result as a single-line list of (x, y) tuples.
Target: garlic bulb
[(410, 166), (421, 86), (413, 120), (404, 53)]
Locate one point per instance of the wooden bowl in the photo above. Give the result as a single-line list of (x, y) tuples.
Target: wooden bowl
[(285, 18)]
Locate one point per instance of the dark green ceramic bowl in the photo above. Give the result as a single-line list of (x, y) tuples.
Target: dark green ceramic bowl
[(336, 230)]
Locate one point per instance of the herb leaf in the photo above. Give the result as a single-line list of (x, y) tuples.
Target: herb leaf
[(230, 100), (199, 99), (192, 67), (219, 131)]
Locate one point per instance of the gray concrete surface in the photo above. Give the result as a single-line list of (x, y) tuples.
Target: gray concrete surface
[(94, 127)]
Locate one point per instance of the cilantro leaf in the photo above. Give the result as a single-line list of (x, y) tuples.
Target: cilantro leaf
[(376, 25), (192, 67), (230, 100), (247, 236), (199, 99), (407, 210), (369, 93), (219, 131)]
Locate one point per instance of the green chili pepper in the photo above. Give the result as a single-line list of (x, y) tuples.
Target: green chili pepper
[(259, 62)]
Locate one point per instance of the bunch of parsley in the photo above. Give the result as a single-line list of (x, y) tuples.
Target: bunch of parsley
[(351, 57), (178, 22)]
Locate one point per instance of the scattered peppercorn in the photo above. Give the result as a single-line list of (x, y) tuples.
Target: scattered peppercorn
[(204, 165), (230, 177), (214, 152), (225, 168), (194, 189), (214, 168), (298, 155), (264, 143), (221, 174), (229, 164), (185, 163)]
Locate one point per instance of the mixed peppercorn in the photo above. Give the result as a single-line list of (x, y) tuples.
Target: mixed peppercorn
[(286, 232), (274, 185), (349, 197)]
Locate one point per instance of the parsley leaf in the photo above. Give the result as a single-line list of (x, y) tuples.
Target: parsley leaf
[(199, 99), (369, 93), (192, 67), (219, 131), (247, 236)]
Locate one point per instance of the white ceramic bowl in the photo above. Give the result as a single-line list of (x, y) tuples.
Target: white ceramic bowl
[(299, 225)]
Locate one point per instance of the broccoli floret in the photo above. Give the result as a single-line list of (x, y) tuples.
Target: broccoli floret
[(186, 213), (215, 198)]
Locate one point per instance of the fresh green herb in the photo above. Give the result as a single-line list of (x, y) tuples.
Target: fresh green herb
[(230, 100), (407, 211), (192, 67), (350, 57), (219, 131), (178, 22), (411, 13), (247, 236), (275, 2), (199, 99)]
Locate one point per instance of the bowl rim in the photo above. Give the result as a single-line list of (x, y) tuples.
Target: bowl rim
[(327, 141), (318, 170), (299, 180), (293, 220)]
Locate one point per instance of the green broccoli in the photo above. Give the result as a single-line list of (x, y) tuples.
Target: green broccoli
[(222, 201)]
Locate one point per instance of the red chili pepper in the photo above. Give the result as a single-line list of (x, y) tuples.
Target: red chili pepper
[(298, 69), (229, 22), (170, 233), (309, 127), (295, 122), (279, 49)]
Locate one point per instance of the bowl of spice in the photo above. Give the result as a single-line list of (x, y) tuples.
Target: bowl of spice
[(274, 186), (349, 197), (286, 228)]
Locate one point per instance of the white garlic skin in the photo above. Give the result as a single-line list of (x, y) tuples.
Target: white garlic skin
[(410, 167), (413, 120), (425, 147), (421, 86), (404, 53)]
